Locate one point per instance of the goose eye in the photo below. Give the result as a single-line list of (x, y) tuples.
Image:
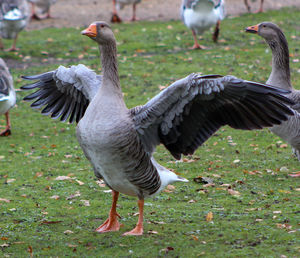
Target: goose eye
[(102, 26)]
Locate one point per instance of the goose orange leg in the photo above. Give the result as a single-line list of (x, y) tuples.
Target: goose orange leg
[(112, 223), (260, 10), (7, 130), (115, 17), (138, 230)]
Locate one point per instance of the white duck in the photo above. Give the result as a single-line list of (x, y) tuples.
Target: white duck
[(280, 77), (14, 16), (7, 96), (43, 8), (119, 4), (200, 15), (119, 142)]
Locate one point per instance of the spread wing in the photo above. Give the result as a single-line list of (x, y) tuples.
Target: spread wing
[(188, 112), (65, 92)]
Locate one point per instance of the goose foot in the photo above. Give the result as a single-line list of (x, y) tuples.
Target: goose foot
[(6, 132), (138, 230), (115, 18), (197, 46), (112, 223)]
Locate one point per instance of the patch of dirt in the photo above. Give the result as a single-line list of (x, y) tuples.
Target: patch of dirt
[(80, 13)]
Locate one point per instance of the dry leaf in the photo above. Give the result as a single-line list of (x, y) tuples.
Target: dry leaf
[(72, 196), (56, 197), (209, 216), (192, 201), (100, 183), (233, 192), (68, 232), (63, 178), (45, 222), (10, 180), (276, 212), (195, 237), (79, 182), (4, 200), (152, 232), (85, 202), (4, 245)]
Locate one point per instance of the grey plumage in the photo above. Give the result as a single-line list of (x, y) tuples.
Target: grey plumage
[(280, 77)]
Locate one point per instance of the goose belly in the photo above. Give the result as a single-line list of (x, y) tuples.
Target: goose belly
[(106, 146), (199, 21)]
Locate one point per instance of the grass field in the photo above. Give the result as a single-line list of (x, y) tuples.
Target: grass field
[(251, 207)]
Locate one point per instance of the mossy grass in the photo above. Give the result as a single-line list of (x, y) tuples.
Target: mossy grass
[(44, 217)]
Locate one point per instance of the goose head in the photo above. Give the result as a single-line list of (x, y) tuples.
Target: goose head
[(267, 30), (100, 32)]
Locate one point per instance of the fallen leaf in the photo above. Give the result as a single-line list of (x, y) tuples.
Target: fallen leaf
[(4, 200), (63, 178), (30, 250), (195, 237), (152, 232), (86, 202), (233, 192), (100, 183), (46, 222), (276, 212), (79, 182), (209, 216), (10, 180), (56, 197), (68, 232), (4, 238), (192, 201), (4, 245), (72, 196)]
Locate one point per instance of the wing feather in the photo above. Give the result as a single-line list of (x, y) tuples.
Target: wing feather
[(64, 93), (188, 112)]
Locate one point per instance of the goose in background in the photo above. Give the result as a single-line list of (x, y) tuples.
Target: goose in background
[(281, 77), (260, 10), (43, 7), (119, 142), (14, 16), (119, 4), (200, 15), (7, 96)]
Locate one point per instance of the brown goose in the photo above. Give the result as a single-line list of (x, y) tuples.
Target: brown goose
[(119, 142), (7, 95), (280, 77)]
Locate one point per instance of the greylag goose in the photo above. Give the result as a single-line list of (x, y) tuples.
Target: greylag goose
[(200, 15), (260, 10), (43, 8), (119, 4), (280, 77), (119, 142), (7, 95), (14, 16)]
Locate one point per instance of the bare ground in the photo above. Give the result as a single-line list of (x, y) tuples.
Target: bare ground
[(80, 13)]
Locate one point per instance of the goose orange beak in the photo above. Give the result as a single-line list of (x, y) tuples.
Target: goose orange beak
[(252, 29), (91, 31)]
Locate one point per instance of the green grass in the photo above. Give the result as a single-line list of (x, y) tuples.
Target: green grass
[(150, 54)]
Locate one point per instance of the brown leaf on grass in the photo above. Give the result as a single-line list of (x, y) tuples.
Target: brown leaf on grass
[(233, 192), (46, 222), (169, 189), (30, 250), (63, 178), (195, 237), (209, 216), (79, 182), (72, 196), (4, 245), (152, 232), (86, 202), (56, 197), (4, 238), (283, 226), (203, 180), (68, 232), (39, 174), (100, 183), (10, 180), (4, 200)]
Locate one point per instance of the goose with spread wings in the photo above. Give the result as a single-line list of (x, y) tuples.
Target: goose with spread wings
[(119, 142)]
